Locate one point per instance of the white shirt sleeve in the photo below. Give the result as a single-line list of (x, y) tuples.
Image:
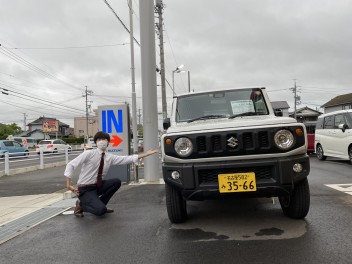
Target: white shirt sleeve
[(76, 162), (120, 160)]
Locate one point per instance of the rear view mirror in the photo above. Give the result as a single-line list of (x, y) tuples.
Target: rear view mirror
[(343, 127), (166, 123), (278, 112)]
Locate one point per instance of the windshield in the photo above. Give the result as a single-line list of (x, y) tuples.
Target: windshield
[(222, 104)]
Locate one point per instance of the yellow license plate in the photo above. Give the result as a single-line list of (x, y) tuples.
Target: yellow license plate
[(237, 182)]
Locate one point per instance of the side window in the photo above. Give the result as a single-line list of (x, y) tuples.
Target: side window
[(320, 123), (62, 142), (57, 142), (339, 119), (8, 143), (328, 122), (16, 144)]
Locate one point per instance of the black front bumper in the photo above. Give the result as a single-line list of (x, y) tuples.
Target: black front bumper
[(274, 176)]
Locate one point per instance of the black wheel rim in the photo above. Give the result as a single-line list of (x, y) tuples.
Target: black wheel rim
[(319, 152)]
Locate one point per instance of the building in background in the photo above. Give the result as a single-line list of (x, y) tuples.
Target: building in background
[(46, 128), (306, 114), (80, 126), (281, 105), (341, 102)]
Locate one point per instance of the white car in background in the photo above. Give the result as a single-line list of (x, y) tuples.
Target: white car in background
[(52, 146)]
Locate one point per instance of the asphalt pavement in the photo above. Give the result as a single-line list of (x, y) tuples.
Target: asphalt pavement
[(226, 231)]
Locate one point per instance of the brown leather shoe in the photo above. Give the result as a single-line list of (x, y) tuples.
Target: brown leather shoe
[(78, 210), (109, 211)]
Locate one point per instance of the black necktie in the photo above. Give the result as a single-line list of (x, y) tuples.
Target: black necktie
[(100, 173)]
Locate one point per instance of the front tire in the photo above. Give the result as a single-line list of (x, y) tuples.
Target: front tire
[(175, 204), (320, 153), (297, 204)]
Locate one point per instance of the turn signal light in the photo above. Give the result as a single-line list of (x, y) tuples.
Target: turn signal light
[(168, 141), (299, 131)]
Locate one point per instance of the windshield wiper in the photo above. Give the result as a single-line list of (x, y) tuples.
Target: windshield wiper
[(245, 114), (206, 117)]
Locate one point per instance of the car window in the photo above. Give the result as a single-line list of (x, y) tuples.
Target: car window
[(339, 119), (320, 123), (8, 143), (44, 142), (62, 142), (57, 142), (328, 122), (16, 144)]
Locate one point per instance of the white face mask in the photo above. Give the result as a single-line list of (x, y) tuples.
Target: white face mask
[(102, 144)]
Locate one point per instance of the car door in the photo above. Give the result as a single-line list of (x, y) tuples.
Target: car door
[(10, 147), (327, 137), (18, 149), (57, 144), (338, 140)]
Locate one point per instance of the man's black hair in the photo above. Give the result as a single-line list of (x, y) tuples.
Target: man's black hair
[(101, 135)]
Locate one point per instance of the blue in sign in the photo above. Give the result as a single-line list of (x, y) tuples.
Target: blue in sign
[(109, 119)]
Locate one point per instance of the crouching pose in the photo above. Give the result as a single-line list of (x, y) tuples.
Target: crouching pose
[(92, 190)]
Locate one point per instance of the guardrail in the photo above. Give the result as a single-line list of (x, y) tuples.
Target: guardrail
[(16, 157)]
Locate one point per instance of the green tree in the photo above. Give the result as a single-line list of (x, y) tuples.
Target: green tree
[(6, 130)]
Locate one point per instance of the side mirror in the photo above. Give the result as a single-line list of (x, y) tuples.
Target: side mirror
[(166, 123), (278, 112), (343, 127)]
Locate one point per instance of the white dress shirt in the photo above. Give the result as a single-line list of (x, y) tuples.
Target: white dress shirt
[(90, 161)]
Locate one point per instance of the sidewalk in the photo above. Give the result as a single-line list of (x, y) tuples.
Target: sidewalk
[(20, 213)]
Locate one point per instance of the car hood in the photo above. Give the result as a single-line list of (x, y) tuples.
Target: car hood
[(225, 123)]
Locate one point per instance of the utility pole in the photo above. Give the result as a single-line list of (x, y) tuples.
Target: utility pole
[(159, 10), (297, 99), (87, 92), (139, 116), (24, 121), (134, 101)]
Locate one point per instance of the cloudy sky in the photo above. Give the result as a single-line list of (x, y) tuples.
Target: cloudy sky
[(51, 50)]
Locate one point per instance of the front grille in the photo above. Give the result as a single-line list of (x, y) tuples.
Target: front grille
[(211, 176), (234, 143)]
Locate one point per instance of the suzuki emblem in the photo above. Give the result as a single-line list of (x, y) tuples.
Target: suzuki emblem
[(233, 142)]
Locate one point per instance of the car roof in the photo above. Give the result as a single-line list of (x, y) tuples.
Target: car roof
[(336, 112)]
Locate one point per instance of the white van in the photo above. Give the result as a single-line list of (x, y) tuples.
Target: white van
[(333, 135), (25, 141)]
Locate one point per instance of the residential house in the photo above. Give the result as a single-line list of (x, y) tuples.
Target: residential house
[(281, 105), (341, 102), (35, 128), (306, 114)]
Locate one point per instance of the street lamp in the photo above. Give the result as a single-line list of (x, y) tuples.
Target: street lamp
[(177, 70)]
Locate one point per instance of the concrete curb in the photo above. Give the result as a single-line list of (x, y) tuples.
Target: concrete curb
[(32, 168)]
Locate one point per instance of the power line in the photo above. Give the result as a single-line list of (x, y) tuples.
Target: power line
[(31, 66), (112, 10), (47, 102), (72, 47)]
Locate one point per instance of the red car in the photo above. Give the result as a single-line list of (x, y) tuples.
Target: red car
[(310, 126)]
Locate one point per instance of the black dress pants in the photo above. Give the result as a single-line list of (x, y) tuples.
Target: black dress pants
[(95, 202)]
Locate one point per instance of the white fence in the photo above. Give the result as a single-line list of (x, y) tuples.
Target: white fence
[(12, 160)]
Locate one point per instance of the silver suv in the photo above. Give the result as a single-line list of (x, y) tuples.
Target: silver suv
[(230, 143)]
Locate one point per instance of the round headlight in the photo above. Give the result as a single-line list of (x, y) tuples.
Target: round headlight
[(283, 139), (183, 147)]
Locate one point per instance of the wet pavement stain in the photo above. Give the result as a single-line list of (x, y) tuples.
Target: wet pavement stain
[(270, 232), (197, 234)]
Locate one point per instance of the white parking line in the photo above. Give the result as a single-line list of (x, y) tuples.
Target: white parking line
[(344, 187)]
